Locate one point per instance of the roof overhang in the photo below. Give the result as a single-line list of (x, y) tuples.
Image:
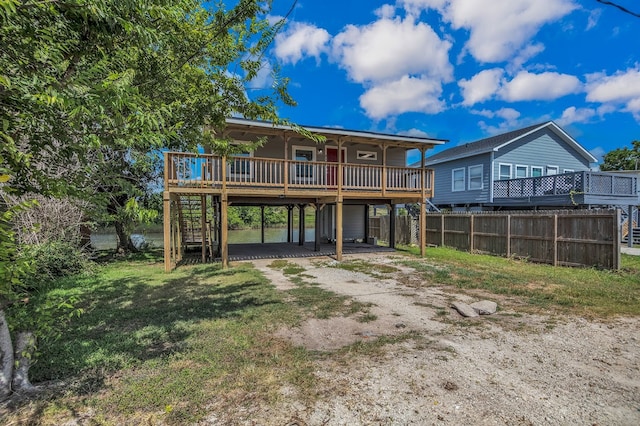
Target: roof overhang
[(331, 134)]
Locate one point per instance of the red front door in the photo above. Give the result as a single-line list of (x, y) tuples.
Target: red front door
[(332, 171)]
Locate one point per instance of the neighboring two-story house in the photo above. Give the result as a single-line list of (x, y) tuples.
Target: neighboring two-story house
[(536, 167), (339, 178)]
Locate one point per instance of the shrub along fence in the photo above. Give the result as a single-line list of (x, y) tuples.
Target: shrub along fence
[(569, 238)]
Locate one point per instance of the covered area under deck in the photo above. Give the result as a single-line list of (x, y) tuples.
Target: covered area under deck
[(339, 179)]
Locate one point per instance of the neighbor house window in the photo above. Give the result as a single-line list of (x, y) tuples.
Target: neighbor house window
[(521, 171), (475, 177), (367, 155), (457, 180), (240, 166), (536, 171), (552, 170), (303, 153), (505, 172)]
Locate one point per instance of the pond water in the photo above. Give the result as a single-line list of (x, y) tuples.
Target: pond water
[(105, 241)]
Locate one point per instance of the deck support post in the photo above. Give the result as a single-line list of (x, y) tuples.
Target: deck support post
[(316, 246), (392, 226), (224, 231), (630, 227), (301, 229), (203, 226), (289, 223), (339, 230), (366, 223), (166, 222), (262, 224)]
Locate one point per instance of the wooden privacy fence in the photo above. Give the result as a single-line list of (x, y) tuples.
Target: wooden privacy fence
[(405, 229), (569, 238)]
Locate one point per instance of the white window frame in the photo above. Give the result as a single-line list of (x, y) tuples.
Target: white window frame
[(453, 179), (521, 167), (552, 167), (367, 155), (500, 176), (242, 175), (540, 168), (473, 188), (295, 169)]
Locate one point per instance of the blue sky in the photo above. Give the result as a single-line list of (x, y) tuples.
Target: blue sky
[(463, 69)]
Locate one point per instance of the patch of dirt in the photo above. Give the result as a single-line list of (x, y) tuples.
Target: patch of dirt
[(510, 368)]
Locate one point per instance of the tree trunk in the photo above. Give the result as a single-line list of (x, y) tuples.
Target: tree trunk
[(25, 348), (6, 358), (124, 239)]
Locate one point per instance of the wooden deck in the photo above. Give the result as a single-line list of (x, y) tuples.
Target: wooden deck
[(251, 176), (568, 189)]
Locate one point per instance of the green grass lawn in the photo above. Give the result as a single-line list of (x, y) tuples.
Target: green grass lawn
[(154, 348)]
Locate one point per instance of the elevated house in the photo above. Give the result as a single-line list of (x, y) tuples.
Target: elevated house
[(536, 167), (339, 178)]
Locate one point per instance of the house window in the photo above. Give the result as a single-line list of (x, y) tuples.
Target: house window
[(367, 155), (475, 177), (304, 153), (239, 167), (457, 180), (504, 172), (552, 170), (536, 171), (521, 171)]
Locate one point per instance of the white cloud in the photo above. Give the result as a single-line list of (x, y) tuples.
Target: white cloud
[(620, 88), (385, 11), (264, 78), (508, 114), (499, 30), (594, 17), (388, 49), (527, 86), (481, 86), (599, 153), (415, 132), (528, 52), (576, 115), (408, 94), (299, 41)]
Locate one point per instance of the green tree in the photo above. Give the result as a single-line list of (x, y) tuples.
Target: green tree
[(90, 90), (622, 158)]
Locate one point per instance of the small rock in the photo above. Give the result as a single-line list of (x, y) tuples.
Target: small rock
[(464, 309), (485, 307), (400, 325)]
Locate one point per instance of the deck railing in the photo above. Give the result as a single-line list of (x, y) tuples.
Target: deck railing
[(591, 183), (190, 170)]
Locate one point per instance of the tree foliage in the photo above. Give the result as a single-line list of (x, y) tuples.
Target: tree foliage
[(622, 158), (92, 91)]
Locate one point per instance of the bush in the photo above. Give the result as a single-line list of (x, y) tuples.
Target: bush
[(55, 259)]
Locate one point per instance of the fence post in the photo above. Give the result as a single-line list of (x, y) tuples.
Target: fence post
[(442, 231), (471, 225), (555, 240), (508, 235), (616, 238)]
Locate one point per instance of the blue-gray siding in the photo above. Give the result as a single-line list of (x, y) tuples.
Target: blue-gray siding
[(443, 175)]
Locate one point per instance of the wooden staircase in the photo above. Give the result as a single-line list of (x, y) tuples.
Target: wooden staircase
[(196, 222)]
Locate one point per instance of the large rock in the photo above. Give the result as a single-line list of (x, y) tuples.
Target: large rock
[(485, 307), (464, 309)]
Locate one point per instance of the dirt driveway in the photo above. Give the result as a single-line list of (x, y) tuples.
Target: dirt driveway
[(509, 368)]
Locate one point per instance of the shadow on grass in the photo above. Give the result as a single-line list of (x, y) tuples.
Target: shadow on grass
[(141, 314)]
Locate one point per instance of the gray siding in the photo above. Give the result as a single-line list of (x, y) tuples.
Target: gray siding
[(443, 195), (541, 149)]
